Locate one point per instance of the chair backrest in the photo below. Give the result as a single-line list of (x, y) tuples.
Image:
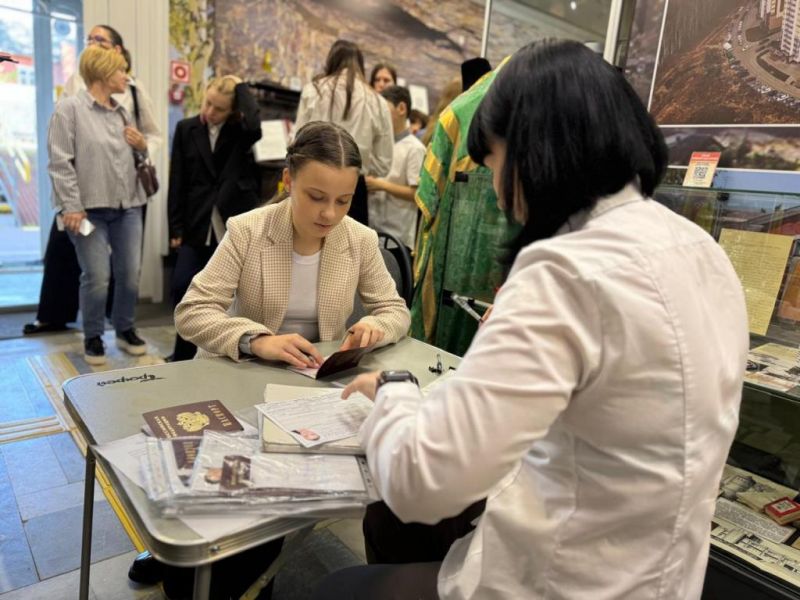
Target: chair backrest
[(397, 274), (405, 284)]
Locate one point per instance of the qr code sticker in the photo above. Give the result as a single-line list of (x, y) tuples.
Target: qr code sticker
[(700, 171)]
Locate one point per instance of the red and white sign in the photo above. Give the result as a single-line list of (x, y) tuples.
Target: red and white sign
[(702, 166), (179, 71)]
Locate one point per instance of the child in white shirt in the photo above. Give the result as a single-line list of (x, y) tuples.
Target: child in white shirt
[(391, 202)]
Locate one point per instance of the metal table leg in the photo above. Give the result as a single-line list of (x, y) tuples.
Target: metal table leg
[(202, 582), (88, 513)]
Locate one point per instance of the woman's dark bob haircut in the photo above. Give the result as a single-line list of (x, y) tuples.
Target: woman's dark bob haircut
[(574, 130)]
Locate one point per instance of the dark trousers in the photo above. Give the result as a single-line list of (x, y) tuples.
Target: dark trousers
[(358, 207), (58, 297), (404, 558), (416, 581), (189, 263), (230, 577), (388, 540)]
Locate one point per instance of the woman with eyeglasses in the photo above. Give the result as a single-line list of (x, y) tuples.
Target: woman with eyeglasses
[(58, 297)]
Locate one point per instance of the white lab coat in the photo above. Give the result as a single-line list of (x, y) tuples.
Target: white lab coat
[(595, 410)]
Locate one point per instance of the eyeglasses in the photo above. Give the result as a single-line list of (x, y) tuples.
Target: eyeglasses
[(97, 39)]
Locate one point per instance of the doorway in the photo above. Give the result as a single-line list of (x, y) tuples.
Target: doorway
[(44, 38)]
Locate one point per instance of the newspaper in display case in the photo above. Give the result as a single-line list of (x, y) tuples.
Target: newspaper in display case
[(774, 366), (740, 527)]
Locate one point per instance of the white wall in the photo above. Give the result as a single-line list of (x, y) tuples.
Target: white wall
[(144, 26)]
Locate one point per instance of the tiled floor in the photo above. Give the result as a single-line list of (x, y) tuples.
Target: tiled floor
[(41, 496)]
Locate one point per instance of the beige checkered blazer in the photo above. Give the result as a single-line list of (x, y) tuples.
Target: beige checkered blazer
[(244, 288)]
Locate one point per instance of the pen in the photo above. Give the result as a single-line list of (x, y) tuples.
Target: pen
[(462, 302)]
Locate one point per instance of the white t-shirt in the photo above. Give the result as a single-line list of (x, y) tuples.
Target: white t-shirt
[(389, 213), (301, 312)]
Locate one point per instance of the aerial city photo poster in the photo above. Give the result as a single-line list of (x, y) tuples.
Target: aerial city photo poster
[(724, 76)]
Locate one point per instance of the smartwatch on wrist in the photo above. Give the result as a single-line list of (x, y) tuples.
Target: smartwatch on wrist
[(396, 376)]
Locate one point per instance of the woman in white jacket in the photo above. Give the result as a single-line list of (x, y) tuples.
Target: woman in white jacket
[(341, 95), (595, 408)]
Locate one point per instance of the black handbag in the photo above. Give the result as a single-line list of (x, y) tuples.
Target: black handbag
[(145, 170)]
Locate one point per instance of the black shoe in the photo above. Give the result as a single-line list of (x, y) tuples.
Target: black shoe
[(37, 327), (94, 351), (146, 569), (131, 343)]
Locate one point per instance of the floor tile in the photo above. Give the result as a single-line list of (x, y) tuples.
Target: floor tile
[(53, 500), (63, 587), (69, 457), (17, 568), (109, 581), (14, 403), (33, 387), (57, 554), (32, 466)]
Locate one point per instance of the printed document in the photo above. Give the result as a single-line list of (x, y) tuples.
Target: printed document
[(320, 419)]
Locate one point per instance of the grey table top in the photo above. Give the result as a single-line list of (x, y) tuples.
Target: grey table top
[(108, 406)]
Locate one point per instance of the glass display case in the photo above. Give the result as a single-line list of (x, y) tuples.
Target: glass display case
[(752, 555)]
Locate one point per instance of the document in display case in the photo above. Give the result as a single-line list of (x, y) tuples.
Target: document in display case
[(753, 555)]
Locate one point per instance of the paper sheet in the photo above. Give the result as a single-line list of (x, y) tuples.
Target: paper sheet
[(125, 456), (760, 261), (319, 419), (272, 145)]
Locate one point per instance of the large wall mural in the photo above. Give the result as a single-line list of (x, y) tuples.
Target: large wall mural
[(727, 78), (286, 41)]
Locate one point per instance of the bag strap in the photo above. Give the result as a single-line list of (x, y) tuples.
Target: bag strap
[(138, 158), (136, 114)]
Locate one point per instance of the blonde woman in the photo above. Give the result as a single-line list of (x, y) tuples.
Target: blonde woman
[(341, 95), (58, 298), (91, 141), (212, 177)]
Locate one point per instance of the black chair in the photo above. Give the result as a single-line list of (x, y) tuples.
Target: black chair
[(397, 274), (405, 286)]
